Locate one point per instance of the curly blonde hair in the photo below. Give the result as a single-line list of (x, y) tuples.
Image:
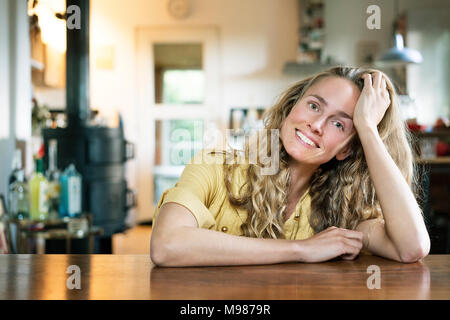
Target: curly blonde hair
[(342, 193)]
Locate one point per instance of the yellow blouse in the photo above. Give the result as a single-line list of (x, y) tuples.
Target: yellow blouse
[(201, 189)]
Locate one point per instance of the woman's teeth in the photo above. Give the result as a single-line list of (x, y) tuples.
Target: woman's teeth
[(305, 139)]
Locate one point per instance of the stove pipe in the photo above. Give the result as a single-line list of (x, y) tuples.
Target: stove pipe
[(77, 64), (99, 153)]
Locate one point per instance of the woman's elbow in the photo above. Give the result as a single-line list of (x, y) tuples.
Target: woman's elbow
[(157, 256), (417, 253), (163, 254)]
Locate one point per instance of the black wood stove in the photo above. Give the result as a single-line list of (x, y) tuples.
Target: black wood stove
[(99, 153)]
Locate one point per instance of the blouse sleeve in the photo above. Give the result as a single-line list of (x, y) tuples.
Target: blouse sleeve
[(195, 189)]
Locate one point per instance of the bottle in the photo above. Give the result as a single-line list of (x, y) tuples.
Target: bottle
[(38, 186), (16, 167), (53, 175), (70, 198), (19, 202)]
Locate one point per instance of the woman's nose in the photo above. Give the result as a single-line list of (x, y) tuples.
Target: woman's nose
[(317, 125)]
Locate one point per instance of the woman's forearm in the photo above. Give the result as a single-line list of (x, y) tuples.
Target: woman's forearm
[(404, 222), (177, 241), (191, 246)]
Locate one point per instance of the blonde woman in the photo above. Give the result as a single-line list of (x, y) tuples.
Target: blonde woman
[(345, 183)]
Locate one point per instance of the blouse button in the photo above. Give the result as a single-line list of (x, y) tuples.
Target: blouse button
[(224, 229)]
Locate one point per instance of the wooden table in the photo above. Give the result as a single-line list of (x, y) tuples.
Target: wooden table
[(135, 277)]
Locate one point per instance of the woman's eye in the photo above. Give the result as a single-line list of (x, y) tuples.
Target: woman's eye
[(339, 125), (313, 106)]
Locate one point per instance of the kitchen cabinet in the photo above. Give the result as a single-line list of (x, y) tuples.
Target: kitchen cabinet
[(435, 202)]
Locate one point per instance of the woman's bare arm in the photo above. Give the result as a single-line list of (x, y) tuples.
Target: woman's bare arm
[(404, 224), (376, 239), (178, 241)]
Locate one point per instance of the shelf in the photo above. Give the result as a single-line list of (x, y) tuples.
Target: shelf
[(439, 133), (37, 65), (294, 68), (436, 160)]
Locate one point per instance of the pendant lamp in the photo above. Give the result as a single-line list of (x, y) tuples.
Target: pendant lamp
[(399, 55)]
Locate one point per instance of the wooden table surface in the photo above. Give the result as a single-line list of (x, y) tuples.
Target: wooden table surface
[(135, 277)]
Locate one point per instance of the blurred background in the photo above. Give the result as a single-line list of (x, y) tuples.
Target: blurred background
[(103, 102)]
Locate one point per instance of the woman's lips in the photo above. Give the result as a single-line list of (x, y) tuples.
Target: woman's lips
[(306, 144)]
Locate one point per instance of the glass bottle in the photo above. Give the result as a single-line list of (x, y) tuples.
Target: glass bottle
[(53, 175), (16, 166), (38, 193), (19, 202), (70, 198)]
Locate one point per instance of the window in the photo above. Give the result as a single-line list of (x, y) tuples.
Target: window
[(181, 139), (179, 75), (179, 96), (177, 141), (179, 80), (183, 87)]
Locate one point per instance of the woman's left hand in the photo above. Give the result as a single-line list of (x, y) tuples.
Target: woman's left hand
[(372, 103)]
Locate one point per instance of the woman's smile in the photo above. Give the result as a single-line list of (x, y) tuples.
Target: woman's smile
[(304, 140)]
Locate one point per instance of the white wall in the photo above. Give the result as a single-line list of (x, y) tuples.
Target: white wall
[(345, 27), (345, 24), (4, 75), (15, 84), (430, 81), (21, 69), (6, 130), (256, 38)]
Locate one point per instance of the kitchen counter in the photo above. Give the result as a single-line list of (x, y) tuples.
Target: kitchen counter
[(135, 277)]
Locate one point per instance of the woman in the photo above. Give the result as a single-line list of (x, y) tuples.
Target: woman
[(345, 181)]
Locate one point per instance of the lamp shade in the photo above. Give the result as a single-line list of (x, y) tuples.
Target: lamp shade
[(399, 54)]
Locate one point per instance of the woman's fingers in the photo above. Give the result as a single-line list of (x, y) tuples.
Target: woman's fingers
[(383, 84), (367, 80), (349, 256), (332, 243), (377, 80), (352, 248), (353, 243), (350, 242), (384, 92), (352, 234)]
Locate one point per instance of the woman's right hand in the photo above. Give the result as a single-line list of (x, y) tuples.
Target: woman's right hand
[(331, 243)]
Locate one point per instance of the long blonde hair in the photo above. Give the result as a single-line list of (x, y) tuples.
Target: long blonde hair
[(342, 193)]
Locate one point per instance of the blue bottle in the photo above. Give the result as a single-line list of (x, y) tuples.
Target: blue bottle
[(70, 196)]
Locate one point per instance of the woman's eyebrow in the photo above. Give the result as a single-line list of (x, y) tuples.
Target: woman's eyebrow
[(322, 100), (325, 103)]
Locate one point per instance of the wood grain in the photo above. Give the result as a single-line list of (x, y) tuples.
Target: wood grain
[(135, 277)]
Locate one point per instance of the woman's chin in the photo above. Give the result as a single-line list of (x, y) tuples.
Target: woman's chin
[(304, 158)]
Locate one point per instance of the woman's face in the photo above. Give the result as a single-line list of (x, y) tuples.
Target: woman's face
[(319, 126)]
